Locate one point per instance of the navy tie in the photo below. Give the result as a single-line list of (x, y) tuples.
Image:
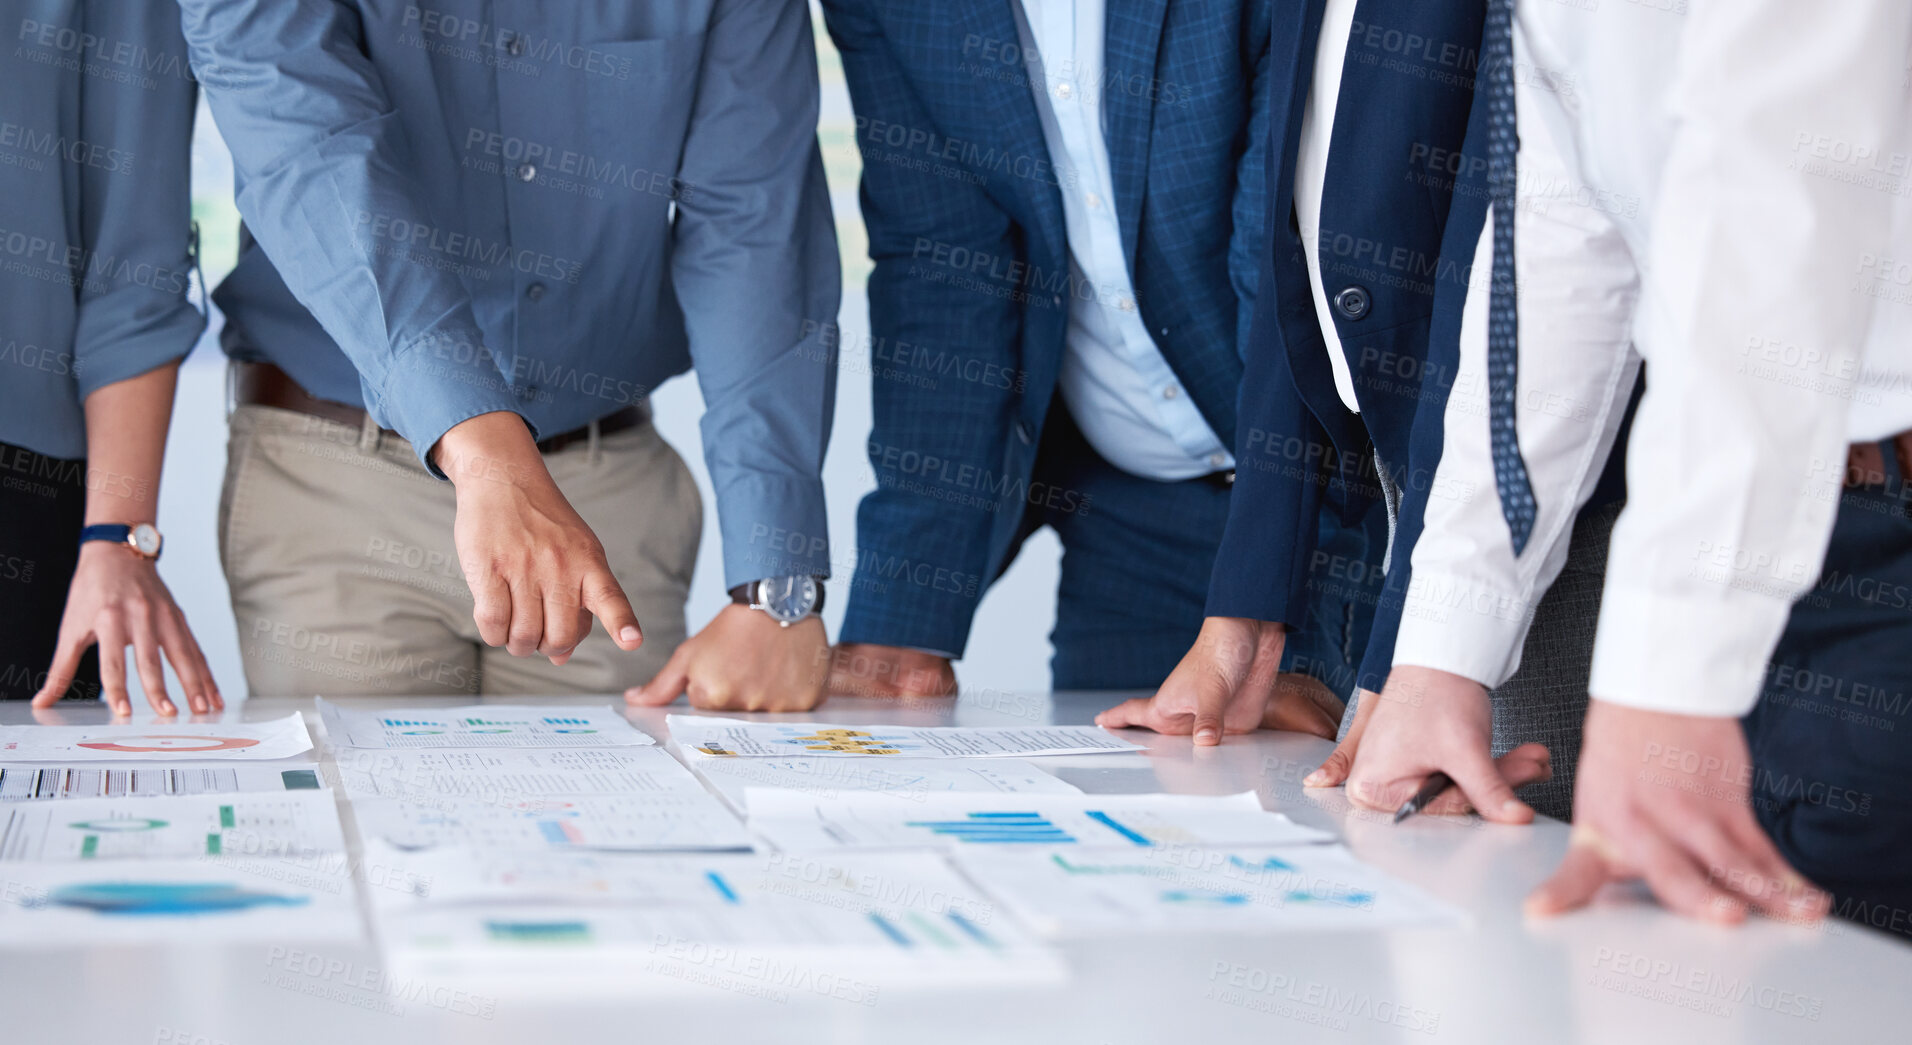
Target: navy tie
[(1503, 323)]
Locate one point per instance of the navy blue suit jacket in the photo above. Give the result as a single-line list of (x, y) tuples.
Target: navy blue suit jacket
[(971, 286), (1403, 184)]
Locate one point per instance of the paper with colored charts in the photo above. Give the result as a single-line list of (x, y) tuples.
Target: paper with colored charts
[(1074, 892), (27, 782), (665, 808), (779, 926), (296, 825), (479, 725), (156, 741), (505, 774), (205, 901), (720, 737), (828, 777), (797, 821)]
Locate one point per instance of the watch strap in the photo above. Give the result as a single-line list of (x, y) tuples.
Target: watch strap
[(115, 532), (746, 594)]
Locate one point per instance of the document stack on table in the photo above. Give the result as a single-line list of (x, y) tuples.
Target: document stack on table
[(507, 849), (1066, 864), (163, 832)]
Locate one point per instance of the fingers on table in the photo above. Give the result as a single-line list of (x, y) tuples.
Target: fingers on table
[(1334, 771), (1478, 778), (1301, 704), (176, 639), (1214, 692), (67, 652), (667, 684), (1739, 859), (1585, 869), (1141, 711), (152, 675)]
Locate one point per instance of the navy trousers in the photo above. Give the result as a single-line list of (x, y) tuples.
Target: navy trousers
[(1831, 738), (1136, 559)]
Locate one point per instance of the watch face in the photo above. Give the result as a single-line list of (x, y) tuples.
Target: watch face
[(788, 599), (145, 540)]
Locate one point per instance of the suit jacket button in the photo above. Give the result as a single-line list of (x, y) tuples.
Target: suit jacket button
[(1352, 302)]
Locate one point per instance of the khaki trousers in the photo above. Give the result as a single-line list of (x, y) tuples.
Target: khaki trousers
[(337, 547)]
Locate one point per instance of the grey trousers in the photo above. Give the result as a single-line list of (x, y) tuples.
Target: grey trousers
[(1546, 700)]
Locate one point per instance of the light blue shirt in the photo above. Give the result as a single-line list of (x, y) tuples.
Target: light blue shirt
[(545, 207), (1118, 386), (96, 118)]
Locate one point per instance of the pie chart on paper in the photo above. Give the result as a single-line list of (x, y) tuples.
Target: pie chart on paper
[(170, 742)]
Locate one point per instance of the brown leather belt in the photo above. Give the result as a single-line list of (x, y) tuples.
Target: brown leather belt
[(1866, 464), (263, 384)]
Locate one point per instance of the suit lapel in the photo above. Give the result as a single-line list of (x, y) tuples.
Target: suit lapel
[(1132, 36), (1007, 115)]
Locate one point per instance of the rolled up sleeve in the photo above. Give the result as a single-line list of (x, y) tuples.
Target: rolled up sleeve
[(322, 164), (136, 209)]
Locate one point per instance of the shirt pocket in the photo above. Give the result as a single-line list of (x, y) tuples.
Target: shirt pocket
[(638, 109)]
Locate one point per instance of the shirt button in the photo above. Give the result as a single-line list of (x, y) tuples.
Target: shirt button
[(535, 292), (1094, 200), (527, 171), (1352, 302), (1064, 91), (1025, 433), (1058, 300), (1125, 303), (1215, 460), (516, 46), (1170, 392), (1164, 331)]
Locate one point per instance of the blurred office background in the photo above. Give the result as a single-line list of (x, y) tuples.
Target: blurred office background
[(1009, 647)]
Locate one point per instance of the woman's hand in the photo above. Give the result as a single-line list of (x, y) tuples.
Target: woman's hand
[(117, 600)]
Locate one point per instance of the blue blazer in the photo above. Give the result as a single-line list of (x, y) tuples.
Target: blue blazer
[(1403, 183), (969, 294)]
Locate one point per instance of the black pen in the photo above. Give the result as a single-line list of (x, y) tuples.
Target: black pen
[(1429, 791)]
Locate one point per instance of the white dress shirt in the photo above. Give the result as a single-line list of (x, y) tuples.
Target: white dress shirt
[(1121, 391), (1311, 176), (1687, 195)]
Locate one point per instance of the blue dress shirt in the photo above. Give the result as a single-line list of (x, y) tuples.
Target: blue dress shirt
[(1120, 389), (548, 208), (96, 117)]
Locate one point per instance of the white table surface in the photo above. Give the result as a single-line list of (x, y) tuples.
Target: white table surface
[(1622, 972)]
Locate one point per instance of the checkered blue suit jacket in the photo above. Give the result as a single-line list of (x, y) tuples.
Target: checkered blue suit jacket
[(970, 290)]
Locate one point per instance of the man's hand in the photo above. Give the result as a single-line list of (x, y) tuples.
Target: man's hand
[(118, 600), (744, 661), (1229, 682), (537, 572), (863, 669), (1665, 797), (1426, 721)]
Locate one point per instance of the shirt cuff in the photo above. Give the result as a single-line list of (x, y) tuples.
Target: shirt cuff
[(1462, 626), (435, 385), (1684, 655), (772, 526)]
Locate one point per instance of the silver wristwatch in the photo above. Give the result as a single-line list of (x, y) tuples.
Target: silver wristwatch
[(786, 599)]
